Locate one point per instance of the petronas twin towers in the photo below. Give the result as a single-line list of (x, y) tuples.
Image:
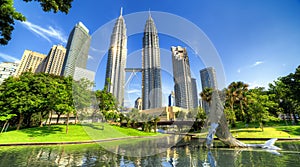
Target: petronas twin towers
[(116, 63)]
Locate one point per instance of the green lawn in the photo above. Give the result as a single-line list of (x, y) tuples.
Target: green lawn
[(76, 133), (269, 132)]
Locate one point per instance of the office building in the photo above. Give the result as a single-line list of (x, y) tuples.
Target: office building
[(151, 74), (77, 50), (53, 63), (30, 62), (138, 103), (7, 69), (182, 78), (171, 99), (208, 80), (194, 93)]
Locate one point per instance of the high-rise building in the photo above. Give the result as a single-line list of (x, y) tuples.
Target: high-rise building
[(53, 63), (151, 84), (208, 80), (171, 99), (116, 61), (7, 69), (30, 61), (138, 103), (77, 50), (194, 93), (182, 78)]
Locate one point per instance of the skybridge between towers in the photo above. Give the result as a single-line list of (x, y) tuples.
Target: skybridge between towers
[(133, 72)]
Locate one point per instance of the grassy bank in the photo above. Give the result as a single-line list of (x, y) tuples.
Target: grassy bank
[(56, 133), (269, 132)]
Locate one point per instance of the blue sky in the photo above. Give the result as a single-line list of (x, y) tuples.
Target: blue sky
[(257, 41)]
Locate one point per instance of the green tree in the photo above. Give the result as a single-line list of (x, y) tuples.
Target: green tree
[(292, 85), (6, 117), (82, 96), (236, 98), (206, 95), (8, 14), (17, 97), (180, 115), (106, 101), (286, 91), (259, 107)]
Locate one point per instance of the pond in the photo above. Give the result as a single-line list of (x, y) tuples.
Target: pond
[(129, 153)]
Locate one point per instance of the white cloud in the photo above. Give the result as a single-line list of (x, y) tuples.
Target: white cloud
[(9, 58), (257, 63), (45, 33), (133, 91), (239, 70), (255, 84)]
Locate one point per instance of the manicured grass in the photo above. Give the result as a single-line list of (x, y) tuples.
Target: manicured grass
[(57, 133), (269, 132)]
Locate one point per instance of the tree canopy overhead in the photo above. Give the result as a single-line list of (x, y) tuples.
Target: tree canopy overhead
[(9, 14)]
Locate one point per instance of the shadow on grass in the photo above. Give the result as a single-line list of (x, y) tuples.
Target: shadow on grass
[(292, 130), (93, 126), (246, 130), (42, 131)]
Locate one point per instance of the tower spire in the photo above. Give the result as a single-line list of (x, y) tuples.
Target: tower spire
[(149, 13), (121, 11)]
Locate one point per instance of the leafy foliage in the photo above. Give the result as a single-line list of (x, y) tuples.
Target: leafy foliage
[(8, 14), (31, 94)]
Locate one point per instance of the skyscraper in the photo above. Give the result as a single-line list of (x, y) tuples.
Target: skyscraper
[(182, 78), (194, 93), (116, 61), (30, 62), (77, 50), (171, 101), (138, 103), (53, 63), (151, 84), (208, 80), (7, 69)]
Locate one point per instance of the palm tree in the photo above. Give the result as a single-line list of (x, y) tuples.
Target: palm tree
[(237, 93), (206, 94), (155, 120)]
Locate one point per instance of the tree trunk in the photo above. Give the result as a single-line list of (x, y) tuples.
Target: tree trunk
[(28, 119), (20, 121), (76, 118), (261, 126), (67, 122), (4, 126), (41, 119), (50, 116), (295, 119), (57, 119), (155, 126)]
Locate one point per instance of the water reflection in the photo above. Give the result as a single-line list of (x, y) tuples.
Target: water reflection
[(186, 153)]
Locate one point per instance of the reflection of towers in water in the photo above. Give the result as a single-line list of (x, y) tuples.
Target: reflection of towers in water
[(151, 86), (116, 62), (208, 80)]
